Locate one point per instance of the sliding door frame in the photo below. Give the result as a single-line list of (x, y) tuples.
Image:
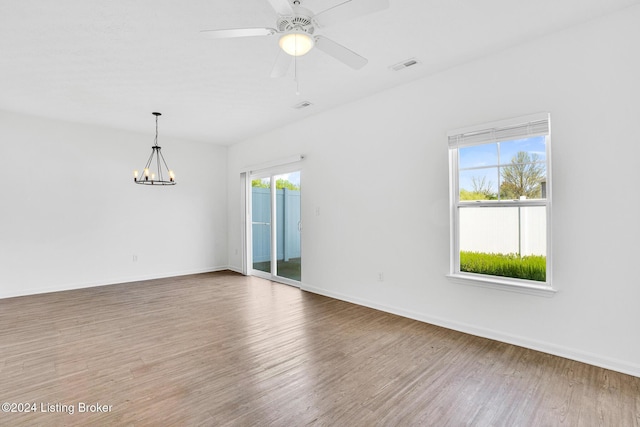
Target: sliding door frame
[(271, 171)]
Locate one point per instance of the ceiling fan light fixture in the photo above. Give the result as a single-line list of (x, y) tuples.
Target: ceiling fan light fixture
[(296, 43)]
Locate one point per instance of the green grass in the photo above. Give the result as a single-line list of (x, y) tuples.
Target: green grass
[(506, 265)]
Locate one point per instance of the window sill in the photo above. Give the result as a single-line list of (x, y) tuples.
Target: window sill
[(493, 282)]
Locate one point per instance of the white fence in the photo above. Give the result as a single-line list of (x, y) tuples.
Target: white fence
[(504, 230), (488, 229)]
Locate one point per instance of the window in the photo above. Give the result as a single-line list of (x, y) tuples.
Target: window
[(500, 201)]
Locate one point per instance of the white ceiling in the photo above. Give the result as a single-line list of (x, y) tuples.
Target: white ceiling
[(114, 62)]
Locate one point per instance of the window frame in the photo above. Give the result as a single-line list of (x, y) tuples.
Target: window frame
[(490, 133)]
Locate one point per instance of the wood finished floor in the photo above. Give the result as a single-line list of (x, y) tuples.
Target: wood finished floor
[(223, 349)]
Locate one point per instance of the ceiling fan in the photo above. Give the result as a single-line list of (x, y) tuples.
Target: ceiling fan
[(296, 28)]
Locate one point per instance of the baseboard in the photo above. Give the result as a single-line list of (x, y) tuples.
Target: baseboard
[(108, 281), (545, 347), (234, 269)]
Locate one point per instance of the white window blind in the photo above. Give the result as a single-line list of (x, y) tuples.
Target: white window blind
[(523, 127)]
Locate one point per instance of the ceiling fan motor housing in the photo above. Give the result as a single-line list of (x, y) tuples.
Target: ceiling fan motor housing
[(298, 22)]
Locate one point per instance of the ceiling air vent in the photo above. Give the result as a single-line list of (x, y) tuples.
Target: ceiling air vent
[(303, 104), (405, 64)]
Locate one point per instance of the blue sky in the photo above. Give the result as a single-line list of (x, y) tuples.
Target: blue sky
[(483, 160), (293, 177)]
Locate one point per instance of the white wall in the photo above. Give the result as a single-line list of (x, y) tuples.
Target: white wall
[(377, 169), (72, 217)]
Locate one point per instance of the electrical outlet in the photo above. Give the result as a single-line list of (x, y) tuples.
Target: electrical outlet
[(381, 277), (135, 258)]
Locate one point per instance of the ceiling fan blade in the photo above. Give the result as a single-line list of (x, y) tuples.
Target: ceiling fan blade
[(340, 53), (281, 65), (238, 32), (282, 7), (349, 9)]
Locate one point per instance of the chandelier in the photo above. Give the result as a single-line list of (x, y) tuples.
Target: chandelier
[(156, 169)]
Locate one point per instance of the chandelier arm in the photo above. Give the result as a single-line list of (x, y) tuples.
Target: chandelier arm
[(159, 154), (146, 167), (163, 161), (149, 160)]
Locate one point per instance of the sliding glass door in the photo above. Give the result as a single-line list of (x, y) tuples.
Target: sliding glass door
[(261, 224), (276, 227)]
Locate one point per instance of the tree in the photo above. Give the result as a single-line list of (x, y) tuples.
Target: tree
[(523, 177), (280, 184), (481, 190), (258, 183), (283, 183), (483, 186)]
